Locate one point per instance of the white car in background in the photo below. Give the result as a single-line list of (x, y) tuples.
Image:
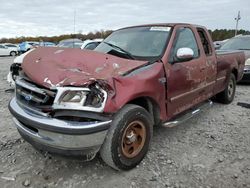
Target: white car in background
[(15, 47), (77, 43), (6, 51), (91, 44)]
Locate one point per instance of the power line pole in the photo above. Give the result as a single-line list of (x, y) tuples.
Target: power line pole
[(74, 28), (237, 22), (74, 21)]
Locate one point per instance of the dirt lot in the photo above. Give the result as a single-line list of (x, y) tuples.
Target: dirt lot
[(210, 150)]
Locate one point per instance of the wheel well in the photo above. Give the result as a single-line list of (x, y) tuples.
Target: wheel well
[(150, 105), (235, 72)]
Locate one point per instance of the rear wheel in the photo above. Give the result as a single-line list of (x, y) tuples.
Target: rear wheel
[(227, 96), (13, 53), (128, 139)]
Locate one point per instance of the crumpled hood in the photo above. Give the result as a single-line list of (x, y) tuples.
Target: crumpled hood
[(50, 66)]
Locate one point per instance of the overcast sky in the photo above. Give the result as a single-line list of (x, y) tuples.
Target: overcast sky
[(55, 17)]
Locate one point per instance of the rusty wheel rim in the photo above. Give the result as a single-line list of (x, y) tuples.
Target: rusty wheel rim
[(133, 139), (230, 88)]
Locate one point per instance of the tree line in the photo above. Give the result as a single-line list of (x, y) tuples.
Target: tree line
[(56, 39), (222, 34), (217, 35)]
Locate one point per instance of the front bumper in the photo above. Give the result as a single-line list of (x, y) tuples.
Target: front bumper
[(58, 136), (246, 75)]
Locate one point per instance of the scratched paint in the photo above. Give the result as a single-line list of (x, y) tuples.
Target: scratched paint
[(74, 67)]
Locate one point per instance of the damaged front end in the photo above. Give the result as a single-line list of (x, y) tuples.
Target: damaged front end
[(65, 99), (64, 120)]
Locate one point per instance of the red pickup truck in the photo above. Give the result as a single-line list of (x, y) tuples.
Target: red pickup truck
[(80, 102)]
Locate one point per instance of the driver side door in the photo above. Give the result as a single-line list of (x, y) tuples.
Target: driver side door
[(186, 78)]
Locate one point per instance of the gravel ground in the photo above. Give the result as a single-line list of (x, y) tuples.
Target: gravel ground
[(209, 150)]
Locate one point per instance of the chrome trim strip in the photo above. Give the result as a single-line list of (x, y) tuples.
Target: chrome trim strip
[(221, 78), (29, 86)]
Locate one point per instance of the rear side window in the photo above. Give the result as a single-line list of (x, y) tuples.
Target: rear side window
[(184, 39), (205, 43)]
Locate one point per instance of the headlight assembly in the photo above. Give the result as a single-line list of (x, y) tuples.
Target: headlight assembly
[(73, 98), (247, 61)]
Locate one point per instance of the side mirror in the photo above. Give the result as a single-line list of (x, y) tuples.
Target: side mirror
[(185, 54)]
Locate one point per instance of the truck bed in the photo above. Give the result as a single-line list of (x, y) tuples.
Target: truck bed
[(227, 62)]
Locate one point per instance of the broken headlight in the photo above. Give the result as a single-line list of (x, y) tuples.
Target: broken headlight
[(94, 98), (247, 61), (89, 99), (73, 97)]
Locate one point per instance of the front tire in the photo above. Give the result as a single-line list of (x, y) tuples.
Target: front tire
[(227, 96), (128, 139)]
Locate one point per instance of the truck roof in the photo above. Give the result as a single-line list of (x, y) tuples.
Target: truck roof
[(164, 24)]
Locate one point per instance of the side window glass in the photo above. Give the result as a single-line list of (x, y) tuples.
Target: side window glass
[(205, 43), (184, 39)]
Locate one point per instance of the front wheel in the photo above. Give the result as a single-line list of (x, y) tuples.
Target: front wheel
[(227, 96), (128, 139)]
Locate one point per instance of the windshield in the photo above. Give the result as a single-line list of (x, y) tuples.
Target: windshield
[(139, 42), (240, 43)]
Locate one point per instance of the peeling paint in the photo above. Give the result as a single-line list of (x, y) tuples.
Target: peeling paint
[(116, 66), (47, 81), (79, 66), (76, 70), (58, 51)]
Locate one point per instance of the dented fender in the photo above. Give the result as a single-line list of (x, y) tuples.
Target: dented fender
[(148, 82)]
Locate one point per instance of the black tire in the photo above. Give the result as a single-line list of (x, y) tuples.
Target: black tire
[(227, 96), (112, 150), (13, 53)]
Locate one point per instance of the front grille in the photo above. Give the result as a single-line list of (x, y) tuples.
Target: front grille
[(246, 77), (247, 71), (33, 95)]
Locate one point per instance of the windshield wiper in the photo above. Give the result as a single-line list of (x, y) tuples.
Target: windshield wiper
[(243, 49), (120, 49)]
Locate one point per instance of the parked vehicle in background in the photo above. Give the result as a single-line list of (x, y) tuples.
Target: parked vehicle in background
[(7, 51), (27, 45), (91, 44), (77, 43), (70, 43), (218, 44), (240, 42), (48, 44), (107, 100), (15, 47)]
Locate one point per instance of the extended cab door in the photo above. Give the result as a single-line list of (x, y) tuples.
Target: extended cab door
[(185, 78), (210, 68)]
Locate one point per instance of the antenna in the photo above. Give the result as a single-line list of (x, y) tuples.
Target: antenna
[(74, 21), (74, 28), (237, 22)]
